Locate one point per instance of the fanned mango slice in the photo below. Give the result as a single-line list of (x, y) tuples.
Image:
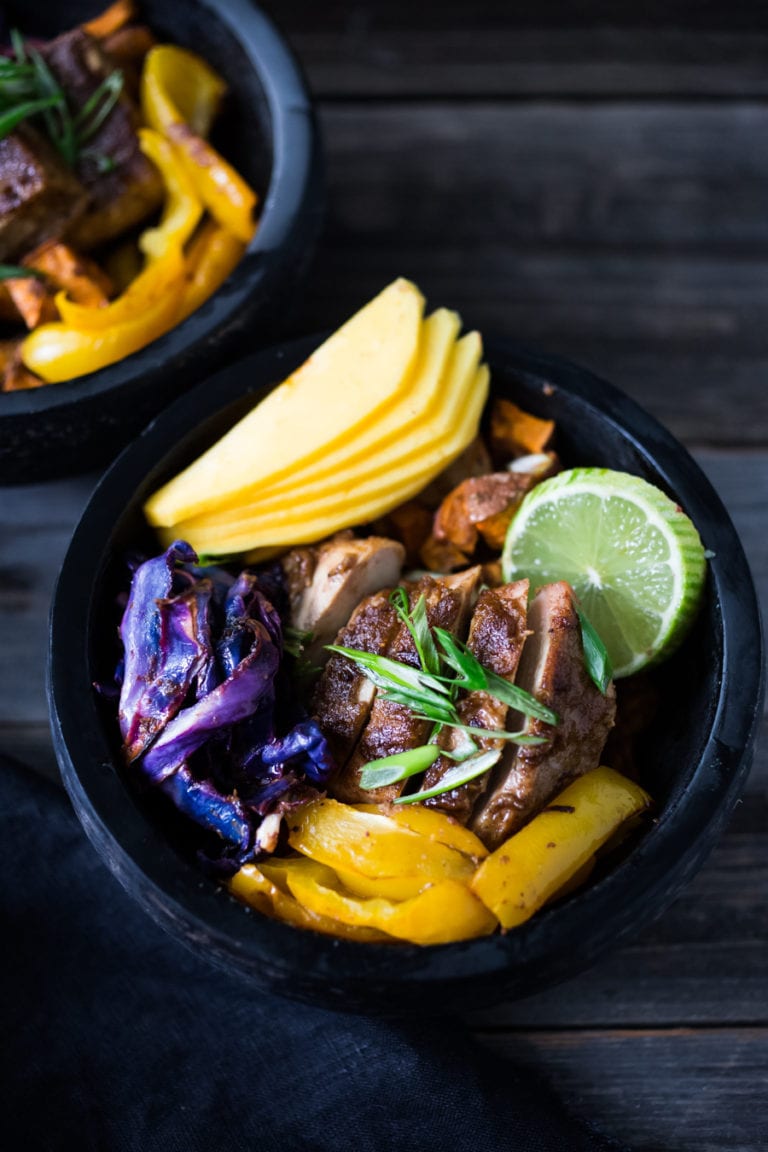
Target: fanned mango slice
[(411, 458), (302, 524), (253, 887), (445, 912), (425, 392), (345, 385), (432, 824), (372, 844), (538, 861)]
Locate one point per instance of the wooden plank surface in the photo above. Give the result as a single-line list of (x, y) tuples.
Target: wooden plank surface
[(384, 48)]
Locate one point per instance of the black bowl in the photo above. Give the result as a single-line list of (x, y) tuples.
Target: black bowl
[(697, 756), (268, 131)]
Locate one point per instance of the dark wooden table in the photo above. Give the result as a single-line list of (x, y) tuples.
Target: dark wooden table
[(594, 182)]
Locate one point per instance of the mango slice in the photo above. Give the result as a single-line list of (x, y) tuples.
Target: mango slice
[(252, 886), (372, 844), (443, 913), (538, 861), (295, 523), (425, 392), (345, 385), (409, 458)]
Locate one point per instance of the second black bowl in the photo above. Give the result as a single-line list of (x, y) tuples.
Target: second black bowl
[(695, 759), (269, 134)]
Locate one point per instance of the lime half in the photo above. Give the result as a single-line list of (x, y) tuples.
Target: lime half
[(632, 556)]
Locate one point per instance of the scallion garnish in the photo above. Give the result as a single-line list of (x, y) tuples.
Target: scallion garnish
[(417, 624), (401, 765), (596, 659), (460, 774), (19, 272)]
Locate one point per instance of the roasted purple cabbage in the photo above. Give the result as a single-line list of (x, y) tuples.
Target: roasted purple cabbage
[(198, 714)]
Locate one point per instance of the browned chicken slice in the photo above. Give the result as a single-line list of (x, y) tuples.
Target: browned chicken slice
[(132, 188), (343, 697), (496, 637), (39, 196), (551, 669), (392, 727), (326, 582)]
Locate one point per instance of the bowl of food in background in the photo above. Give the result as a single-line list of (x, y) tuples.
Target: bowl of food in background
[(161, 195), (404, 682)]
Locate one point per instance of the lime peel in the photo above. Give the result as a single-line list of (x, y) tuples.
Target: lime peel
[(641, 577)]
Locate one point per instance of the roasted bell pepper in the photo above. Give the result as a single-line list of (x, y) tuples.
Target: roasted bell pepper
[(539, 861), (161, 278), (212, 255), (183, 207), (179, 97), (178, 87), (63, 351)]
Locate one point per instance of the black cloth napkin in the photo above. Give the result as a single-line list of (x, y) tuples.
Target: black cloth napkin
[(117, 1038)]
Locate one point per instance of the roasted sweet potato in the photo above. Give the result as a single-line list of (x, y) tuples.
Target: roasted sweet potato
[(517, 433)]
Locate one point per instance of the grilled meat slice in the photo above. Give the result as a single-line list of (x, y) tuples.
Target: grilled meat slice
[(552, 669), (326, 582), (497, 633), (132, 189), (392, 727), (343, 697), (39, 196)]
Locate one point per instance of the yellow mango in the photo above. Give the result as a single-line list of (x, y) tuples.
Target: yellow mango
[(433, 824), (442, 913), (408, 459), (416, 405), (251, 886), (344, 386), (340, 836), (538, 861), (295, 524)]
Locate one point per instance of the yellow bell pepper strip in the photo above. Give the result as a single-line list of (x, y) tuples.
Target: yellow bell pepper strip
[(537, 862), (252, 886), (432, 824), (178, 87), (375, 845), (183, 207), (441, 914), (59, 352), (179, 98), (212, 255), (161, 278)]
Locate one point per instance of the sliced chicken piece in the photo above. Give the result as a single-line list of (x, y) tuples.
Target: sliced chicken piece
[(327, 582), (552, 669), (496, 637), (343, 697), (392, 727)]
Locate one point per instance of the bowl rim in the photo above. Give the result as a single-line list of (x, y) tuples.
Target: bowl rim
[(294, 155), (672, 847)]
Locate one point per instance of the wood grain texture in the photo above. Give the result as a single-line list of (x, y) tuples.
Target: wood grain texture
[(383, 48), (659, 1090)]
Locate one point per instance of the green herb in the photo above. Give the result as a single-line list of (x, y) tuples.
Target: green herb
[(474, 677), (295, 641), (455, 777), (417, 624), (423, 693), (29, 88), (391, 769), (19, 272), (596, 659)]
